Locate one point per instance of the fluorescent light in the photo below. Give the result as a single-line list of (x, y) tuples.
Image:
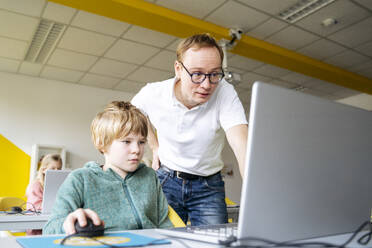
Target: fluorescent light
[(47, 35), (302, 8)]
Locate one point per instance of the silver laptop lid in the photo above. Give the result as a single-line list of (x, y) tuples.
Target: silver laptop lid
[(52, 182), (308, 168)]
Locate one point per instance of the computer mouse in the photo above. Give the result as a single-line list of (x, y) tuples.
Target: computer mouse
[(15, 210), (89, 230)]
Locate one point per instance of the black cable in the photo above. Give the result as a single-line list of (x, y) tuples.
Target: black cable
[(306, 244), (266, 243), (152, 242), (68, 237), (21, 207), (33, 206), (360, 228), (363, 240)]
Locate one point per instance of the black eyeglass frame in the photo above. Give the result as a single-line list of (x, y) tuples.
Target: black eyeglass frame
[(204, 74)]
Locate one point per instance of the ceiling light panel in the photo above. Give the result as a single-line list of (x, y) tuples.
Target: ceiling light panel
[(302, 8), (44, 41)]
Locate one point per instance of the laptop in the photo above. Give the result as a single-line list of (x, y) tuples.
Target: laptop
[(52, 182), (308, 169)]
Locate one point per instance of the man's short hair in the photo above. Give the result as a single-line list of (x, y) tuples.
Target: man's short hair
[(197, 41), (116, 121)]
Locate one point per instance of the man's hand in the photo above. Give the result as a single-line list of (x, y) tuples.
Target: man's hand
[(155, 160)]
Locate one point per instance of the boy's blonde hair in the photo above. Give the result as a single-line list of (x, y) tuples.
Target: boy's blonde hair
[(117, 121), (197, 41), (45, 162)]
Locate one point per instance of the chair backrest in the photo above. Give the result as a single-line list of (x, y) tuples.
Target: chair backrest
[(229, 202), (175, 218), (7, 202)]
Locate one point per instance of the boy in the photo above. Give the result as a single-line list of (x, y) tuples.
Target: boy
[(122, 194)]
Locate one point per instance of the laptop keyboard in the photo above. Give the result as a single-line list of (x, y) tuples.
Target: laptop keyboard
[(211, 233), (222, 231)]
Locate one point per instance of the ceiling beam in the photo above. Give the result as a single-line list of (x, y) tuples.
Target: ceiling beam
[(151, 16)]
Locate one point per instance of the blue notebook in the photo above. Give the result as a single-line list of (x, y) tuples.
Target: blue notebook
[(121, 239)]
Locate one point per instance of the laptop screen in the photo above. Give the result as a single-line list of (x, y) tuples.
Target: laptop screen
[(52, 182), (308, 166)]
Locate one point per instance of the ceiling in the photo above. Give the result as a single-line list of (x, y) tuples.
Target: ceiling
[(102, 52)]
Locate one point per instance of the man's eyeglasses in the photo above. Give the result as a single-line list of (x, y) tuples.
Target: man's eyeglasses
[(198, 77)]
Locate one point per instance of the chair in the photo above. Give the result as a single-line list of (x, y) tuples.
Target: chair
[(175, 218), (232, 210), (177, 221), (5, 204), (229, 202)]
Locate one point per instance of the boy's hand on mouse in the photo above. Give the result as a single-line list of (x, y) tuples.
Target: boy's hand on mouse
[(81, 216)]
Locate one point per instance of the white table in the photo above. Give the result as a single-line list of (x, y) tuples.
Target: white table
[(22, 222), (10, 242)]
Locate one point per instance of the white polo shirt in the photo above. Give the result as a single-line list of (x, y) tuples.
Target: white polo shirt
[(190, 140)]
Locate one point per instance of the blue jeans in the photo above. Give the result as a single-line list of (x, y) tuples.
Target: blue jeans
[(202, 200)]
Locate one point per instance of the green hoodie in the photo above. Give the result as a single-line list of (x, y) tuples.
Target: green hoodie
[(135, 202)]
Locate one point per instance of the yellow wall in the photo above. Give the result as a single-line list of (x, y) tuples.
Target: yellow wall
[(14, 169)]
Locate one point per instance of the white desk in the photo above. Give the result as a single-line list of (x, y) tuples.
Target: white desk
[(11, 242), (22, 222)]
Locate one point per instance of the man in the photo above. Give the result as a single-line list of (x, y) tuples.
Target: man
[(190, 113)]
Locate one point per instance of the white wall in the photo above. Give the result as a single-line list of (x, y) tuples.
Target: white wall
[(49, 112), (42, 111)]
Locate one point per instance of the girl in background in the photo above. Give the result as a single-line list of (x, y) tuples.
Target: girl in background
[(34, 191)]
